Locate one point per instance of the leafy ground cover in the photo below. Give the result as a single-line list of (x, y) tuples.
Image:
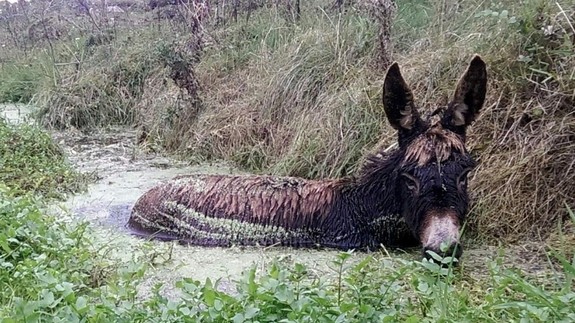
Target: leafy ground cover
[(51, 272), (32, 162)]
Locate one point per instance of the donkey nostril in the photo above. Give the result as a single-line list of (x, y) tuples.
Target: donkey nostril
[(455, 250)]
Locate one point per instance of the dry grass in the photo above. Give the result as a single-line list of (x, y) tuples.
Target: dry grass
[(311, 107), (265, 115)]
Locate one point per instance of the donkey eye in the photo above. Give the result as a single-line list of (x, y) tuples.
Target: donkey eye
[(462, 179), (411, 182)]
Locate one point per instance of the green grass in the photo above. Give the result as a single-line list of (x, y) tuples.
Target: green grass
[(19, 83), (32, 162), (54, 271)]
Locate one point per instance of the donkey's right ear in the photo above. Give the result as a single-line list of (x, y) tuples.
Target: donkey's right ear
[(398, 101)]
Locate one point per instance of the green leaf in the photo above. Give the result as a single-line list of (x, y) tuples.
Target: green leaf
[(185, 311), (46, 298), (208, 292), (81, 303), (238, 318), (250, 312), (218, 305)]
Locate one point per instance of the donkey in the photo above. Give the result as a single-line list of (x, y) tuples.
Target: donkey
[(414, 194)]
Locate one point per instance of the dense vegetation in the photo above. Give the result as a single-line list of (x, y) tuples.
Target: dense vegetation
[(253, 91), (32, 162)]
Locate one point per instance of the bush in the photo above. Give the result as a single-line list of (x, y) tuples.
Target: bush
[(48, 268)]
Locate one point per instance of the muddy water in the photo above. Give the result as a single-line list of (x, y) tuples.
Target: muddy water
[(15, 113), (123, 173)]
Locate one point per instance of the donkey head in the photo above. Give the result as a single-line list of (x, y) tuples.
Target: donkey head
[(432, 178)]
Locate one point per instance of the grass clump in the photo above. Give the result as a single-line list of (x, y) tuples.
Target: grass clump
[(18, 84), (103, 95), (32, 162), (526, 137), (304, 99), (265, 113)]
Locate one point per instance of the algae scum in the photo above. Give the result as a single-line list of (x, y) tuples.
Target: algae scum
[(123, 175)]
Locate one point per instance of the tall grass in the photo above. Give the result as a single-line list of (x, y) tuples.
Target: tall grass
[(314, 75), (99, 85)]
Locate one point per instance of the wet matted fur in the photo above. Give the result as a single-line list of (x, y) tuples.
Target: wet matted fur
[(414, 194)]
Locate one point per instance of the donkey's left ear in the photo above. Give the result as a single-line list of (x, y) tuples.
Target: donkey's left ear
[(469, 96), (398, 102)]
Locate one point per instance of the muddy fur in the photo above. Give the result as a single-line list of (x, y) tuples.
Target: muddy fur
[(221, 210), (396, 199), (435, 144)]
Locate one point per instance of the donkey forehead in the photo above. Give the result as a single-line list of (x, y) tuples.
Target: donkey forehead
[(435, 144)]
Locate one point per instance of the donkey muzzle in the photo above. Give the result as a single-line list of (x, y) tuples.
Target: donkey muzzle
[(440, 234)]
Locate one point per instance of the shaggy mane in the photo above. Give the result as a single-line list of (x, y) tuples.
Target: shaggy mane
[(435, 143)]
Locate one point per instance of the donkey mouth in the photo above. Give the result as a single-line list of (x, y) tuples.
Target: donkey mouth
[(440, 234), (454, 250)]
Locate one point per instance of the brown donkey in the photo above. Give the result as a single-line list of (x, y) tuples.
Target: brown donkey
[(417, 193)]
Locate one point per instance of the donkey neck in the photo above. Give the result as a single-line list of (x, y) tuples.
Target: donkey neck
[(375, 194), (375, 184)]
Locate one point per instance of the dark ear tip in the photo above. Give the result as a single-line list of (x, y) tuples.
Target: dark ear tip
[(393, 75), (477, 61), (393, 68)]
